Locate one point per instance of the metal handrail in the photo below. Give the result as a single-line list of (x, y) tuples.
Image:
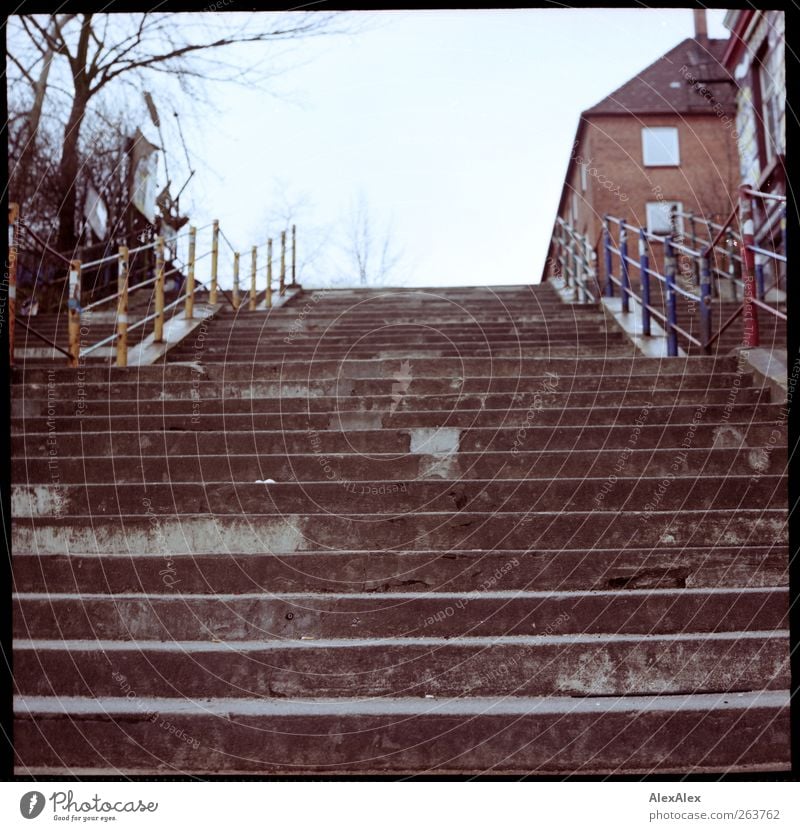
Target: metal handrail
[(191, 285), (751, 274), (767, 253), (777, 197), (110, 258), (42, 243), (39, 335), (576, 265), (116, 296)]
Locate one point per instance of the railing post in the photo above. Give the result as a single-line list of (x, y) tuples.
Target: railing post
[(587, 268), (672, 310), (572, 277), (74, 312), (253, 264), (607, 248), (212, 297), (695, 262), (729, 246), (237, 298), (158, 323), (783, 251), (623, 259), (123, 270), (268, 300), (749, 311), (190, 273), (282, 285), (294, 255), (705, 302), (13, 242), (759, 261), (644, 276)]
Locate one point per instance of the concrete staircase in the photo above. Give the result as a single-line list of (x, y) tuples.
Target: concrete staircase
[(401, 531)]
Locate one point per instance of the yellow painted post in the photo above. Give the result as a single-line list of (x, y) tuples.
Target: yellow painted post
[(282, 290), (190, 273), (253, 260), (158, 326), (74, 312), (294, 255), (123, 271), (13, 242), (237, 300), (268, 300), (212, 297)]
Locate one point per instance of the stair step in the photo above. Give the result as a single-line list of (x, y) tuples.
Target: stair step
[(304, 370), (399, 497), (443, 441), (376, 571), (401, 400), (700, 733), (547, 665), (260, 616), (449, 531)]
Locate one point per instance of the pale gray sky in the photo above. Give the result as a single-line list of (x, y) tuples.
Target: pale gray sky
[(456, 125)]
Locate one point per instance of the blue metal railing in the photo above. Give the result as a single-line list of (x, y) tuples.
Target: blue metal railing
[(752, 278), (576, 262)]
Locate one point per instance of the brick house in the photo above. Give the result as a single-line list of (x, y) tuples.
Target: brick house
[(755, 57), (659, 140)]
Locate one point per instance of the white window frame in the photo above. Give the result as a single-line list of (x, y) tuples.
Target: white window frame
[(663, 208), (655, 149), (583, 176)]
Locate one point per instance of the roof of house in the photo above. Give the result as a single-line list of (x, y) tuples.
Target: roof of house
[(664, 88)]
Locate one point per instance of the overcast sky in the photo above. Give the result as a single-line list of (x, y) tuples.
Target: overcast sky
[(455, 125)]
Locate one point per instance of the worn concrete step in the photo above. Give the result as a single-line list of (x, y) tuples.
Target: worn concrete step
[(704, 368), (443, 326), (541, 665), (347, 420), (95, 398), (452, 531), (424, 331), (430, 308), (267, 616), (387, 467), (220, 335), (427, 307), (330, 339), (539, 349), (518, 314), (341, 572), (400, 400), (442, 441), (399, 497), (629, 734)]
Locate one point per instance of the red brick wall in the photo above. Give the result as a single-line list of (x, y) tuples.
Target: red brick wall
[(619, 184)]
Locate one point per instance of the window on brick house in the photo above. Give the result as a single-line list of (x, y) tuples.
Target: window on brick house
[(659, 217), (765, 100), (660, 146), (583, 177)]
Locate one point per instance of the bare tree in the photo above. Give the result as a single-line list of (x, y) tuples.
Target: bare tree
[(103, 52), (371, 253), (287, 208)]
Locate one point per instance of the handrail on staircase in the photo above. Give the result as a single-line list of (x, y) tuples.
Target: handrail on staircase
[(191, 286), (577, 261), (752, 260)]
